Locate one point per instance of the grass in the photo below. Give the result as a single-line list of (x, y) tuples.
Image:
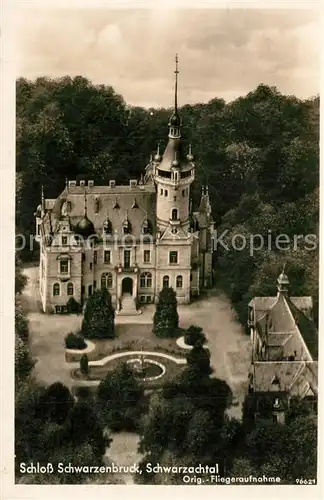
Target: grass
[(132, 337)]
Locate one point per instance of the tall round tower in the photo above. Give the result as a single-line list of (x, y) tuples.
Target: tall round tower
[(174, 172)]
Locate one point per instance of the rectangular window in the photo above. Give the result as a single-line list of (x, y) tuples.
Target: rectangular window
[(173, 257), (127, 255), (64, 240), (64, 266), (147, 256), (107, 256), (90, 290), (94, 285), (183, 193), (149, 299), (142, 298), (161, 192), (165, 192), (95, 257), (82, 290), (90, 266)]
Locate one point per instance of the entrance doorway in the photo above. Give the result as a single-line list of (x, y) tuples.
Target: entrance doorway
[(127, 286)]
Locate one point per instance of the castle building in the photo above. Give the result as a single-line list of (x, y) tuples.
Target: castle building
[(284, 352), (133, 240)]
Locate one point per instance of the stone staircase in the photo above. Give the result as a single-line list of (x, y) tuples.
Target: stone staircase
[(128, 306)]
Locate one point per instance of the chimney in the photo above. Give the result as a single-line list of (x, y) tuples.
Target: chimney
[(112, 184)]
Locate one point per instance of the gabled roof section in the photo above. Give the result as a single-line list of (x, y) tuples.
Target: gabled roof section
[(306, 327)]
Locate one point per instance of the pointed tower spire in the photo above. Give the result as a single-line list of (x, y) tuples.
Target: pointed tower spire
[(175, 120), (42, 201), (176, 84), (85, 204), (157, 157)]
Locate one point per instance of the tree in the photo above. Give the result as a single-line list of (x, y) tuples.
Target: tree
[(23, 360), (166, 318), (56, 403), (120, 398), (20, 278), (99, 316), (194, 336), (84, 364), (21, 322), (199, 357)]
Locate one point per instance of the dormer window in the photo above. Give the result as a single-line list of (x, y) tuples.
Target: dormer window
[(127, 228), (135, 205), (146, 227), (107, 227), (64, 240), (97, 205), (276, 403), (116, 205)]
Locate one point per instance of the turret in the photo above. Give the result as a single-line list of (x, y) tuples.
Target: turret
[(283, 282), (174, 172)]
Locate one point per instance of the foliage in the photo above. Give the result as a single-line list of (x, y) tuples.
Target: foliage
[(73, 306), (21, 322), (84, 364), (20, 278), (120, 398), (99, 316), (184, 423), (56, 403), (23, 360), (166, 318), (74, 341), (199, 357), (195, 336), (51, 428)]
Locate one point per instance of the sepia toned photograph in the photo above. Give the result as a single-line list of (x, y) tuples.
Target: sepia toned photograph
[(166, 246)]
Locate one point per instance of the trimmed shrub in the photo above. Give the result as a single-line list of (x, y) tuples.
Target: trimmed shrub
[(74, 341), (166, 318), (99, 316), (84, 364), (195, 336), (73, 307), (199, 358)]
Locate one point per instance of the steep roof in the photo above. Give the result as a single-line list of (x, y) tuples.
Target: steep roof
[(306, 327), (174, 150), (131, 202), (292, 376)]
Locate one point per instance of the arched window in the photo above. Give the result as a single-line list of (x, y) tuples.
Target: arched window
[(174, 214), (146, 280), (106, 280), (70, 289), (165, 281), (179, 282), (56, 289)]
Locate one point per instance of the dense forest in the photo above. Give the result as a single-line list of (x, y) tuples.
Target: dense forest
[(259, 156)]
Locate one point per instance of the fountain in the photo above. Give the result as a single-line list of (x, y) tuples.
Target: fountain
[(146, 369)]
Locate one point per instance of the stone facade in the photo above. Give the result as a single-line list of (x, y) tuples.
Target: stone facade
[(131, 239)]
